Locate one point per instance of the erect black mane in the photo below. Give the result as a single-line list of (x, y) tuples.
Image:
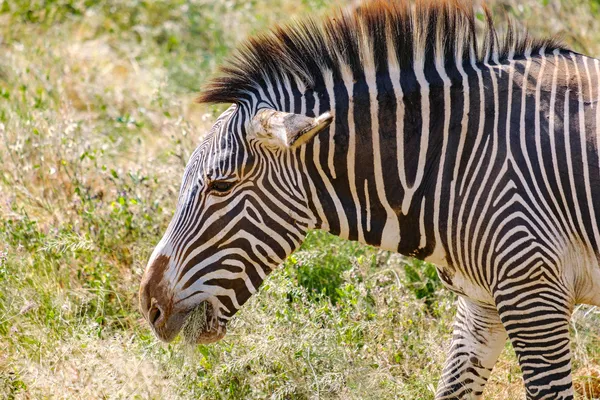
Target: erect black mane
[(412, 33)]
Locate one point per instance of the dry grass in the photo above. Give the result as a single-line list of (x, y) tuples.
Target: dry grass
[(97, 121)]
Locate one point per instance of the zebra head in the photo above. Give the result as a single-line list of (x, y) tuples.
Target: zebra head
[(241, 211)]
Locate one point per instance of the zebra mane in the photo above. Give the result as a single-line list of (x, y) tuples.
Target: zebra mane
[(380, 33)]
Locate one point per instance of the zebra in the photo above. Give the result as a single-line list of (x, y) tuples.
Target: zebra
[(410, 127)]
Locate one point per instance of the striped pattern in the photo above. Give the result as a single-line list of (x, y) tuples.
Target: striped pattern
[(480, 158)]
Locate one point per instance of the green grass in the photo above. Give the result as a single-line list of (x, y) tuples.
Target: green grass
[(96, 122)]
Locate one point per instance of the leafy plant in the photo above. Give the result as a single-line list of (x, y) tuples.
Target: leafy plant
[(322, 260), (422, 280)]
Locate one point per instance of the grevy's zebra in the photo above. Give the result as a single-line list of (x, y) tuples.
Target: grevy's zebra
[(481, 159)]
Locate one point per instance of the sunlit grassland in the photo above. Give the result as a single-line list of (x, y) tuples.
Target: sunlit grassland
[(97, 120)]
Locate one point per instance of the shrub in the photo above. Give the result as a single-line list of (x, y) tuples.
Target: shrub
[(321, 261)]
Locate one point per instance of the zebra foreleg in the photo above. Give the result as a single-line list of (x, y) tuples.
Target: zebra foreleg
[(537, 323), (478, 339)]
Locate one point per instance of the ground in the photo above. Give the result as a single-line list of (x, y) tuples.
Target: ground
[(97, 120)]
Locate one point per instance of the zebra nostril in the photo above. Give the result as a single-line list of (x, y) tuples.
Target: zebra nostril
[(154, 315)]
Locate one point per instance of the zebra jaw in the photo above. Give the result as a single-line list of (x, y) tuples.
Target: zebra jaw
[(288, 130)]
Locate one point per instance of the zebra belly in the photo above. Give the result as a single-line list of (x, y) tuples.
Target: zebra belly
[(459, 283), (455, 280), (594, 292), (581, 270)]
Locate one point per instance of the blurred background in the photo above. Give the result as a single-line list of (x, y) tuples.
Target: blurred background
[(97, 121)]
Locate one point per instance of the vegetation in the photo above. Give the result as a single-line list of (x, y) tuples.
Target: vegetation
[(96, 122)]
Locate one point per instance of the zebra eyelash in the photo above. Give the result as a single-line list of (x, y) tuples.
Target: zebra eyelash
[(221, 187)]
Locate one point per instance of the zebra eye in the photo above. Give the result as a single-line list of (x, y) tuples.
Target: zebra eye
[(220, 186)]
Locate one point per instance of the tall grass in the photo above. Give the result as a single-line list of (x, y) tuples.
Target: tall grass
[(96, 124)]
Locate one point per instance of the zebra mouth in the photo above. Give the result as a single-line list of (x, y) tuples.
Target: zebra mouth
[(202, 325)]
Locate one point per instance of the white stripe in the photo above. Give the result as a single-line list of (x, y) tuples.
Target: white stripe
[(424, 144), (423, 237), (328, 76), (339, 209), (464, 123), (313, 191), (390, 237), (394, 72), (368, 205), (348, 82), (438, 255)]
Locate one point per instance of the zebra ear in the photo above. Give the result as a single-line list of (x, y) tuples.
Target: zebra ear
[(285, 129)]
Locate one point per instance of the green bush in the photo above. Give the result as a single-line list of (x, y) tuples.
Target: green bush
[(422, 280), (320, 263)]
